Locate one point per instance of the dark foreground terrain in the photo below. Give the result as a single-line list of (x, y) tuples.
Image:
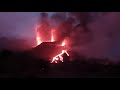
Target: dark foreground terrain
[(13, 64)]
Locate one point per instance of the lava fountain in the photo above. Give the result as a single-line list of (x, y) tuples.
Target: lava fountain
[(58, 57), (52, 36), (38, 39)]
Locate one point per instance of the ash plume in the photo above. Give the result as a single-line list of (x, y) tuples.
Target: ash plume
[(63, 25), (104, 30), (44, 29), (57, 18), (88, 33), (70, 26)]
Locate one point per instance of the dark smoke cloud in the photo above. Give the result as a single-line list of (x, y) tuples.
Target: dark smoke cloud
[(101, 39), (43, 17), (93, 34), (106, 42), (63, 24), (57, 18), (71, 25)]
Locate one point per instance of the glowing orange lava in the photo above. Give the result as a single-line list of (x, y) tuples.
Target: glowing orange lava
[(63, 43), (38, 40), (58, 57), (52, 36), (37, 36)]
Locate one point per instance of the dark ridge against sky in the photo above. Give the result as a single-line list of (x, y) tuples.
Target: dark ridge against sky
[(105, 29)]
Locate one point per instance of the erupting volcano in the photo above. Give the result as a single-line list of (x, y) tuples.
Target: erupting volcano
[(58, 56)]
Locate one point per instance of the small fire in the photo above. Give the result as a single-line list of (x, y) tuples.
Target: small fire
[(58, 57)]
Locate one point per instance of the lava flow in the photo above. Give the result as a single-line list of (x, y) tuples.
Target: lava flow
[(58, 57)]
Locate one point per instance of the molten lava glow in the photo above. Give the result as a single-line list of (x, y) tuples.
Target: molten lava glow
[(38, 40), (52, 36), (63, 43), (37, 36), (58, 57)]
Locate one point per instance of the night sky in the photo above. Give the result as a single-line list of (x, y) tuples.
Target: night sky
[(106, 31), (18, 24)]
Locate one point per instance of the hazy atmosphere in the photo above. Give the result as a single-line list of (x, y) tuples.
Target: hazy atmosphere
[(104, 31)]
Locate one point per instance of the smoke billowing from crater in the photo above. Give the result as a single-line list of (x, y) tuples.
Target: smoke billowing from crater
[(91, 34), (65, 26)]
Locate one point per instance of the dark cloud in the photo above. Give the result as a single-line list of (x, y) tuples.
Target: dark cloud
[(58, 17), (106, 36), (102, 40)]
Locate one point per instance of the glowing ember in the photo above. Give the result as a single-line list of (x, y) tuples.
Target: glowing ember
[(59, 56)]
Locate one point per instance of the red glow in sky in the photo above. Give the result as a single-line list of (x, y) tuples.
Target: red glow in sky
[(58, 57)]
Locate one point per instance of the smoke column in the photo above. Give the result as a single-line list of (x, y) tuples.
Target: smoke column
[(93, 34)]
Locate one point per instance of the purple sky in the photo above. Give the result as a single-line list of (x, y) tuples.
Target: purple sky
[(21, 24)]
